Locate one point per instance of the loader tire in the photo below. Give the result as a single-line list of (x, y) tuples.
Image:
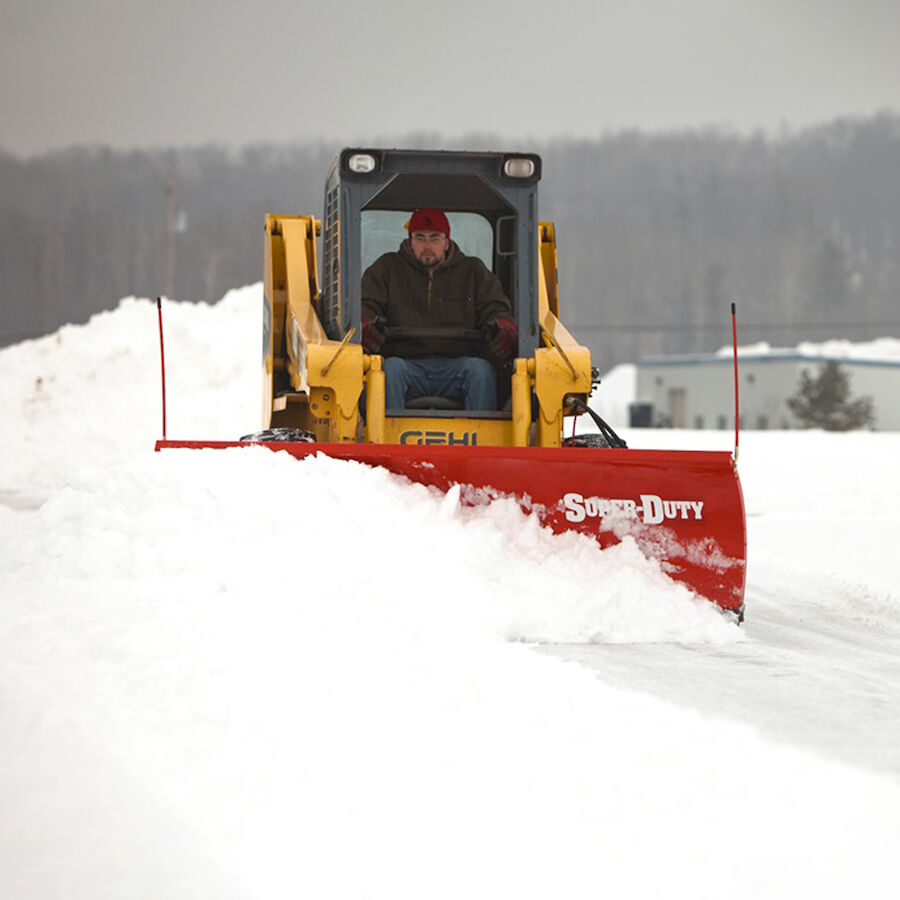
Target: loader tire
[(586, 440), (288, 435)]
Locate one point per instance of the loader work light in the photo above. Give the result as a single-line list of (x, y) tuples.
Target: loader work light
[(361, 163), (518, 167)]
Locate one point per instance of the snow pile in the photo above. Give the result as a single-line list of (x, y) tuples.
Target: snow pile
[(90, 394), (356, 536)]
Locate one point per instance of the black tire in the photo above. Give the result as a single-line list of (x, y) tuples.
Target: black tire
[(586, 440), (280, 435)]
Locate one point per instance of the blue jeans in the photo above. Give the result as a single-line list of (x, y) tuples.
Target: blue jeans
[(466, 378)]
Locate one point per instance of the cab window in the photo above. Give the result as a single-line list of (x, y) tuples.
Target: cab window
[(383, 230)]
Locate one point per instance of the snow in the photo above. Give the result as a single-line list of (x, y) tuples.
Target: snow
[(101, 383), (236, 674), (617, 391), (883, 349)]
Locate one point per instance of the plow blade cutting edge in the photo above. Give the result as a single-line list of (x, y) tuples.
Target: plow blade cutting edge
[(683, 508)]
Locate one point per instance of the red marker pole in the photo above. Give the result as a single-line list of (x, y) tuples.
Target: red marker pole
[(162, 363), (737, 403)]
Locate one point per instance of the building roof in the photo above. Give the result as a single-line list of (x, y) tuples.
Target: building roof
[(883, 353)]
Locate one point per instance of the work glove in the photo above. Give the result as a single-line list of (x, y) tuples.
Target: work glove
[(373, 335), (505, 338)]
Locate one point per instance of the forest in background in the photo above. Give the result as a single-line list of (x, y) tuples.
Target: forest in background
[(658, 233)]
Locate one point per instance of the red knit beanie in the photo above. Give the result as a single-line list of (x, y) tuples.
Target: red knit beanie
[(429, 220)]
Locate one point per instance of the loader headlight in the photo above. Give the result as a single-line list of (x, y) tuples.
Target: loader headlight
[(518, 167), (361, 163)]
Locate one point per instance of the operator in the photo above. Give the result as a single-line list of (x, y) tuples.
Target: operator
[(430, 282)]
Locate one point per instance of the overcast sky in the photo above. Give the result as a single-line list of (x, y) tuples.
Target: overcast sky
[(166, 72)]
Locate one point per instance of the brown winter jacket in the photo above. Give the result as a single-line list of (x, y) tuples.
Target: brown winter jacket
[(398, 291)]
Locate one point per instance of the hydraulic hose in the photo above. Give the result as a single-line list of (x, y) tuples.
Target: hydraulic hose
[(604, 428)]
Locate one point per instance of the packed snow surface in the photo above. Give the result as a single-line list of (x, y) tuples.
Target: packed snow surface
[(237, 674)]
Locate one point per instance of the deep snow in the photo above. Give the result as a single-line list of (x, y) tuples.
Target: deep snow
[(236, 674)]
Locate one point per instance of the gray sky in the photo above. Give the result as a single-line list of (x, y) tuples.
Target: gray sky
[(164, 72)]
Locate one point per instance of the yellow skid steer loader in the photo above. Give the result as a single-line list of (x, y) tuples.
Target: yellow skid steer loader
[(321, 392)]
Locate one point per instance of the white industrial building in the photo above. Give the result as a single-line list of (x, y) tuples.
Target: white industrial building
[(697, 390)]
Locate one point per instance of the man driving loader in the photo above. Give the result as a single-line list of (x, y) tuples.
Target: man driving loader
[(432, 311)]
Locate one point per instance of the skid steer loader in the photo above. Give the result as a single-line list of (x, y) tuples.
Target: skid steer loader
[(323, 393)]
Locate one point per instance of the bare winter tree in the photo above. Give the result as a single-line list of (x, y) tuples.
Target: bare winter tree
[(657, 234)]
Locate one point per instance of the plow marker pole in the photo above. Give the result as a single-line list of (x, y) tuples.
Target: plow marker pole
[(737, 404), (162, 364)]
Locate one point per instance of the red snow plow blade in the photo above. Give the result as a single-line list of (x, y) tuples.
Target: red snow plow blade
[(683, 508)]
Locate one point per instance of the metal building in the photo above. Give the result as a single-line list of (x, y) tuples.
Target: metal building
[(697, 390)]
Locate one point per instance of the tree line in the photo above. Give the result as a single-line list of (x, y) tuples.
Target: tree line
[(658, 233)]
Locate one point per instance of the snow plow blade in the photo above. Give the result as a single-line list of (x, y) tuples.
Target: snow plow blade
[(683, 508)]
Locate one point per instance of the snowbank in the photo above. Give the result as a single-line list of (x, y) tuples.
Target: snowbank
[(90, 394)]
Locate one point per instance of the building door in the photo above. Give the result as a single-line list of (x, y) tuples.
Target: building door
[(677, 407)]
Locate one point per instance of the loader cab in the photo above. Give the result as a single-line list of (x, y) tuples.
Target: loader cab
[(490, 200), (316, 376)]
